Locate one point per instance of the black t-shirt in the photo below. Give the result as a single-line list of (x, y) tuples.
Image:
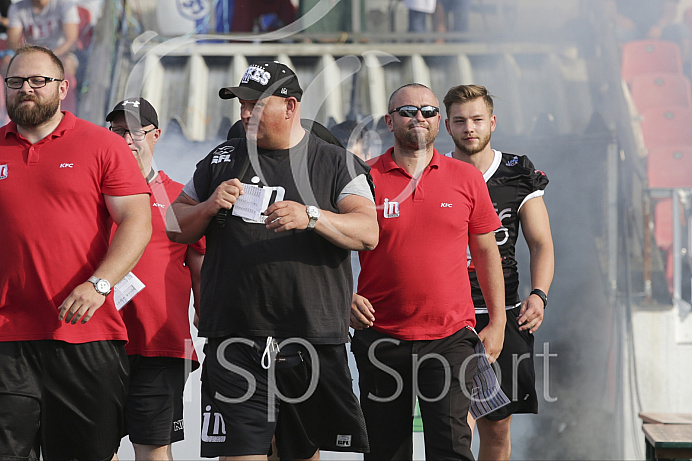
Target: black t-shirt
[(513, 180), (256, 282)]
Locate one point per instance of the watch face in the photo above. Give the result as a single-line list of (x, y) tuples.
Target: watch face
[(313, 212), (103, 286)]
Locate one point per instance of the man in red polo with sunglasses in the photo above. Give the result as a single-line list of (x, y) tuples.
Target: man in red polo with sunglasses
[(413, 313)]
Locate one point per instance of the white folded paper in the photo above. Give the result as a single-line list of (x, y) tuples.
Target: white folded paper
[(126, 289), (255, 201)]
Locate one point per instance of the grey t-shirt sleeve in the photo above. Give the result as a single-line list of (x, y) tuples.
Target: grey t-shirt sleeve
[(190, 191), (358, 186)]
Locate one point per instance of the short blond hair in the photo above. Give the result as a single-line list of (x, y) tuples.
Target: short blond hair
[(464, 93)]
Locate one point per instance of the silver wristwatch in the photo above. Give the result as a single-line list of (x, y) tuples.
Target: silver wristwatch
[(102, 286), (313, 214)]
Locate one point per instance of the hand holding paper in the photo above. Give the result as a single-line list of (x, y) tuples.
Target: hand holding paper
[(255, 201)]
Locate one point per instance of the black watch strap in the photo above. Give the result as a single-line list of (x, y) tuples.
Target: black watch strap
[(541, 294)]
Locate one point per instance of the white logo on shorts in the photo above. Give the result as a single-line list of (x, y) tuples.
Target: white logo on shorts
[(343, 440), (218, 433), (178, 425)]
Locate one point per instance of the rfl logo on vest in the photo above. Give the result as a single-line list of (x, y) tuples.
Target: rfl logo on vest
[(3, 171), (391, 209)]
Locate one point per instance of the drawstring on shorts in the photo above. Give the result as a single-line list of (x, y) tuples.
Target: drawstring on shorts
[(271, 350)]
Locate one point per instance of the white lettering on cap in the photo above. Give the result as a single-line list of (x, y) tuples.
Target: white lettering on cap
[(257, 74)]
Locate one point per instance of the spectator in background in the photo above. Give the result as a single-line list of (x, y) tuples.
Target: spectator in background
[(459, 10), (53, 24), (262, 16), (418, 13), (355, 137), (646, 19), (6, 53), (337, 20), (4, 9), (94, 7), (650, 20)]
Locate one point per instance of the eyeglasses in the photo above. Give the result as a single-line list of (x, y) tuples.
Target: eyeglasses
[(136, 135), (35, 81), (411, 111)]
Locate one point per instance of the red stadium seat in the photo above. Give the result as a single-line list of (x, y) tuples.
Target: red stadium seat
[(646, 56), (660, 89), (665, 126), (86, 30), (670, 166), (663, 224)]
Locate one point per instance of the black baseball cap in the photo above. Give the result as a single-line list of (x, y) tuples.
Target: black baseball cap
[(263, 79), (140, 108)]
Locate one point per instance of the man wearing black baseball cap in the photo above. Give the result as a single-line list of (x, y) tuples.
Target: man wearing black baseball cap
[(265, 79), (160, 350), (276, 304), (135, 119)]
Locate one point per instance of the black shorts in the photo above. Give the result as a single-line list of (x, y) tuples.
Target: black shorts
[(244, 404), (442, 380), (514, 368), (154, 407), (65, 399)]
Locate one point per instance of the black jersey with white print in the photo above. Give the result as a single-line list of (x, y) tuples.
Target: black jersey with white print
[(512, 180)]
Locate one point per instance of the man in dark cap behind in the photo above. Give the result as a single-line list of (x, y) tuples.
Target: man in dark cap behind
[(160, 349), (281, 210)]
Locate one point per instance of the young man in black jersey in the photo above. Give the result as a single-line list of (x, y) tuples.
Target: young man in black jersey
[(281, 210), (516, 189)]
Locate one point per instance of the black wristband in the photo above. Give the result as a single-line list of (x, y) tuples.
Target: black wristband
[(541, 294)]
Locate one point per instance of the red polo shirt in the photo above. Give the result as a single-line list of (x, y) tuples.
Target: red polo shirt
[(55, 226), (416, 278), (157, 318)]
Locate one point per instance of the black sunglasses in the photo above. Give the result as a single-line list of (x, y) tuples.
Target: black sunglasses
[(411, 111)]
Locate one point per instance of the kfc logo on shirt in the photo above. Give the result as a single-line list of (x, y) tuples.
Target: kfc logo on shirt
[(3, 171)]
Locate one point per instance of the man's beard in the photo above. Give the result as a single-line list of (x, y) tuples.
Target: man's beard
[(414, 139), (483, 142), (26, 115)]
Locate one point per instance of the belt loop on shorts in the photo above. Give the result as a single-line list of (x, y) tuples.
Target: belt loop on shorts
[(271, 350)]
